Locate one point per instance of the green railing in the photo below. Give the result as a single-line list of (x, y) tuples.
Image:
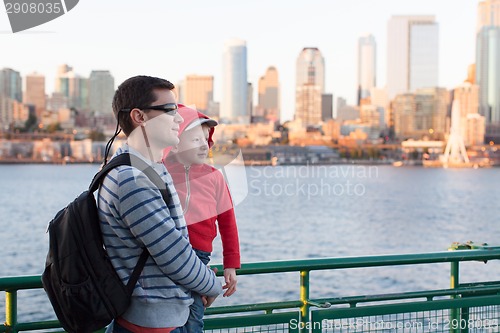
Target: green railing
[(472, 307)]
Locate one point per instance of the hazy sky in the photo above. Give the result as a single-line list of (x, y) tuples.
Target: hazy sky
[(174, 38)]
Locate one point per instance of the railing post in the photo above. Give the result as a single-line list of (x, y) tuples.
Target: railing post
[(304, 297), (454, 283), (11, 311)]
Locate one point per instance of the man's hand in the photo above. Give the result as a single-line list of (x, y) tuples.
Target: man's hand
[(231, 281), (207, 300)]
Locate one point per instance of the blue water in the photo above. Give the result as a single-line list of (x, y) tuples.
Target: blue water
[(291, 212)]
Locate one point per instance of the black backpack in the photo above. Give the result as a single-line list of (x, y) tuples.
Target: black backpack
[(82, 285)]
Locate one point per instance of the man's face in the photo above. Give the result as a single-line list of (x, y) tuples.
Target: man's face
[(193, 146), (162, 128)]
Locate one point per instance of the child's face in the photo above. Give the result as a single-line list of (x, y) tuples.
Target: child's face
[(193, 146)]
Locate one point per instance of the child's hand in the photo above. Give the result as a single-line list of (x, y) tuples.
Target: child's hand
[(231, 281)]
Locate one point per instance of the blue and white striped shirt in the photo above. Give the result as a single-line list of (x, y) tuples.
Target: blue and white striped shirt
[(133, 214)]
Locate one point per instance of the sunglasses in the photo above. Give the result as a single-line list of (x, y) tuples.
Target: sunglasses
[(169, 108)]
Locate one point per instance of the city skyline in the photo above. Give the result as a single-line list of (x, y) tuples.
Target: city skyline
[(198, 32)]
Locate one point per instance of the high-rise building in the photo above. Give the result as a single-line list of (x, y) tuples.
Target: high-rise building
[(309, 87), (488, 66), (35, 93), (11, 84), (199, 91), (326, 107), (75, 88), (61, 71), (269, 95), (412, 54), (488, 14), (249, 99), (380, 99), (367, 50), (101, 90), (234, 106)]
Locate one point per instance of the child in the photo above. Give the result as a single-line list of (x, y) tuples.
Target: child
[(205, 199)]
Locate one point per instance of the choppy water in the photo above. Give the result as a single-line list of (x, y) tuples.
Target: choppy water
[(291, 212)]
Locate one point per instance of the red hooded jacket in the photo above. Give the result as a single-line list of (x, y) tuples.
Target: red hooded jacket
[(205, 199)]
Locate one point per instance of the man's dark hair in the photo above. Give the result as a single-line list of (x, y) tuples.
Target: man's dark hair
[(136, 92)]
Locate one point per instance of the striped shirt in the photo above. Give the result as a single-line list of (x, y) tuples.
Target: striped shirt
[(134, 215)]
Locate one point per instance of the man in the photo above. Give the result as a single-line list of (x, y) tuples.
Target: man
[(134, 216)]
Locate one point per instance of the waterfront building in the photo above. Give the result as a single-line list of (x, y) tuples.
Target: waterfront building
[(367, 50), (269, 92), (310, 85), (6, 113), (101, 88), (372, 115), (412, 54), (34, 93), (422, 114), (475, 127), (467, 95), (199, 91), (234, 105)]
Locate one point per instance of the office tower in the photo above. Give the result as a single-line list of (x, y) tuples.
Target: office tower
[(310, 85), (269, 95), (326, 107), (75, 88), (199, 91), (35, 93), (366, 66), (412, 54), (488, 66), (101, 89), (11, 84), (234, 106)]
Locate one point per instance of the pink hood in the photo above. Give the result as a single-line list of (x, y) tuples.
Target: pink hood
[(189, 115)]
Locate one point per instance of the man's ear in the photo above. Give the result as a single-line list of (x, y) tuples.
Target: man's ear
[(137, 117)]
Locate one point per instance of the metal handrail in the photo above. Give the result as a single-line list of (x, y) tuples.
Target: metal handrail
[(12, 284)]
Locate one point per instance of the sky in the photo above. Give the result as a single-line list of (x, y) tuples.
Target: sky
[(172, 39)]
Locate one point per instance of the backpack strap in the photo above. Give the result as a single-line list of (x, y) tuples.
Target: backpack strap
[(122, 159), (154, 177)]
